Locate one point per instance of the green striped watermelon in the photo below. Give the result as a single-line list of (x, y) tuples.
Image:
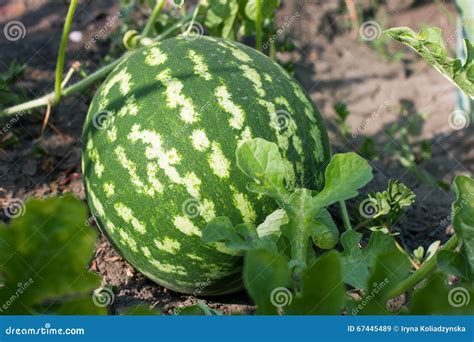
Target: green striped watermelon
[(159, 153)]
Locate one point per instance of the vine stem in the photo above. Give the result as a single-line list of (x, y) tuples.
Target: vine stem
[(152, 19), (345, 215), (193, 19), (417, 276), (258, 24), (62, 51), (84, 83), (272, 53), (50, 98)]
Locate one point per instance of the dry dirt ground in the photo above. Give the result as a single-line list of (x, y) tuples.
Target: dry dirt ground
[(330, 63)]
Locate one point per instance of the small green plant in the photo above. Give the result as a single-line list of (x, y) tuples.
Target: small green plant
[(368, 149), (409, 148), (406, 147), (419, 255), (285, 274), (382, 210)]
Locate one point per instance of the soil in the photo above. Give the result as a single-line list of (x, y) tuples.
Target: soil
[(328, 60)]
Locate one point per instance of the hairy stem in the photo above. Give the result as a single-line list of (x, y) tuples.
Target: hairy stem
[(193, 19), (299, 248), (412, 262), (84, 83), (299, 243), (298, 232), (258, 24), (345, 215), (75, 88), (147, 31), (272, 53), (424, 270), (62, 51)]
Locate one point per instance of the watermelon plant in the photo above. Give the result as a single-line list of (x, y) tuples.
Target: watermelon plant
[(209, 169), (283, 275)]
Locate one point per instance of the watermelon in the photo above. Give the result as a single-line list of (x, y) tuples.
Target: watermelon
[(159, 154)]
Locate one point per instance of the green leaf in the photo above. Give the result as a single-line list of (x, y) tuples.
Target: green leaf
[(324, 231), (463, 215), (217, 12), (454, 263), (247, 27), (218, 229), (49, 248), (419, 253), (266, 277), (229, 22), (342, 111), (268, 8), (240, 238), (212, 20), (388, 271), (382, 210), (432, 249), (435, 298), (261, 161), (393, 200), (428, 43), (323, 291), (345, 174), (357, 262), (272, 224)]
